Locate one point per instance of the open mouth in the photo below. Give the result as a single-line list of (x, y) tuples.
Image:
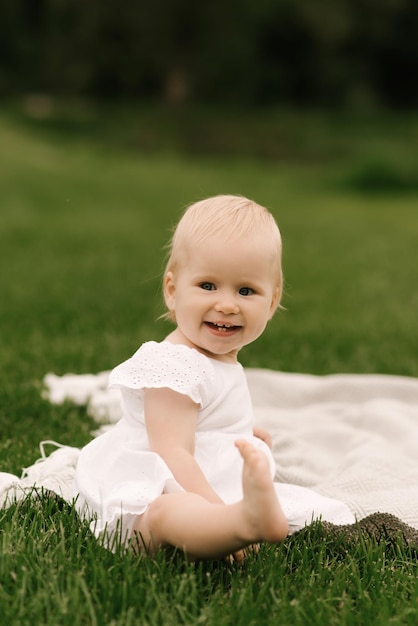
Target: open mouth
[(222, 328)]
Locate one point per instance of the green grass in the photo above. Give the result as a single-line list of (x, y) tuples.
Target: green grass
[(87, 203), (53, 572)]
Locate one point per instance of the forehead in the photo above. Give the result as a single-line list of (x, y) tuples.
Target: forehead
[(248, 256)]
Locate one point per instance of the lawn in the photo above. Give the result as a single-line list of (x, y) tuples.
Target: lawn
[(88, 198)]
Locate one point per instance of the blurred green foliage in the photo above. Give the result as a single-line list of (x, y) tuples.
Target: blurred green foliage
[(356, 53)]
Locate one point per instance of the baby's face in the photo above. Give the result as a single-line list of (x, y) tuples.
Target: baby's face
[(223, 293)]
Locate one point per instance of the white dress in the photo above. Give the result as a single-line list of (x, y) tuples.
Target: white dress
[(117, 474)]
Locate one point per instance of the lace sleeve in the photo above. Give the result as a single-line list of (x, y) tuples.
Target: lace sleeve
[(158, 365)]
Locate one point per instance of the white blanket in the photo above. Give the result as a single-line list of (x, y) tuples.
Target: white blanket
[(351, 437)]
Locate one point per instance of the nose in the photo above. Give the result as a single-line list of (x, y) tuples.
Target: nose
[(227, 304)]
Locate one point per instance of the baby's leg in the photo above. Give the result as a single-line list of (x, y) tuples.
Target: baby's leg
[(205, 530)]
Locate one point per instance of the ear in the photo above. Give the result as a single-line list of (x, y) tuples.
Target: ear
[(169, 288), (275, 301)]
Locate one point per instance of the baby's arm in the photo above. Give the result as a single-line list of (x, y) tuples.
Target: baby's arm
[(263, 434), (170, 419)]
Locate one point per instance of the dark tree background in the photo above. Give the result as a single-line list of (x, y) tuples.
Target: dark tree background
[(301, 52)]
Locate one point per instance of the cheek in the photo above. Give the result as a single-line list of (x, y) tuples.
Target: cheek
[(261, 316), (256, 316), (189, 306)]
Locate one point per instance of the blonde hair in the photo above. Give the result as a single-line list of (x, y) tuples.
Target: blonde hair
[(235, 216)]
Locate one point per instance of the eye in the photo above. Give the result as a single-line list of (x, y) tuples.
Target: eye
[(207, 286), (246, 291)]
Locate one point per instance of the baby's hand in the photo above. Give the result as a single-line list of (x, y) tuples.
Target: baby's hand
[(263, 434)]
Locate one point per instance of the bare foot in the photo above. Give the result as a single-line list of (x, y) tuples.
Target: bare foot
[(262, 510)]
